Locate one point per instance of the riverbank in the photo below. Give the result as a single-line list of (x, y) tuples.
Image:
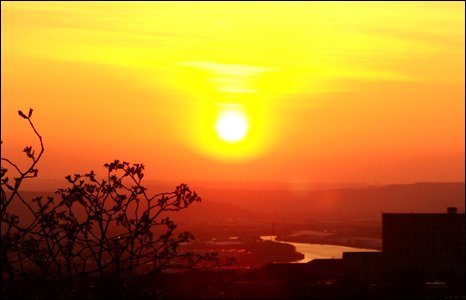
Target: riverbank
[(252, 253), (344, 241), (317, 251)]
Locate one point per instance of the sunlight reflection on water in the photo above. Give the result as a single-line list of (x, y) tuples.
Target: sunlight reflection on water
[(313, 251)]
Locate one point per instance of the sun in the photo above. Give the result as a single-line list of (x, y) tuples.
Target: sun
[(232, 126)]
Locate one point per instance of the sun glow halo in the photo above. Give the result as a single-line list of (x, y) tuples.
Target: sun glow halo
[(232, 126)]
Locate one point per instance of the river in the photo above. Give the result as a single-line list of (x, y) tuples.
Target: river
[(313, 251)]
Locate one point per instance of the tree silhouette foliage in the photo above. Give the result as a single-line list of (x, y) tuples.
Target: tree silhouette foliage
[(103, 228)]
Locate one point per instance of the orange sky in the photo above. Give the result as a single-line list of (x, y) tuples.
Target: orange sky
[(332, 92)]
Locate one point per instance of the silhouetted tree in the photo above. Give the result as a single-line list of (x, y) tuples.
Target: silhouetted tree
[(96, 228)]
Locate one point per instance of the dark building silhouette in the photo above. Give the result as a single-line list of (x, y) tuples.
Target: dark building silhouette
[(423, 235), (416, 248)]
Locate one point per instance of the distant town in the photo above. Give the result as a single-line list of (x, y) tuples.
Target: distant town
[(397, 255)]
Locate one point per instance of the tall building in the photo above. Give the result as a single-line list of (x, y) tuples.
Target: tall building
[(423, 236), (415, 248)]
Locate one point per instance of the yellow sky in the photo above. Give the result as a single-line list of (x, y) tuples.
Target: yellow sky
[(332, 91)]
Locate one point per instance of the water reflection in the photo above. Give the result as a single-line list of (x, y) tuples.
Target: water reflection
[(313, 251)]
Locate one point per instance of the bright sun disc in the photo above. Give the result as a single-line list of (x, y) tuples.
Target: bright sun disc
[(231, 126)]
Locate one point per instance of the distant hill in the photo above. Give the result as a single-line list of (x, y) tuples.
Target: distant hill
[(368, 202), (211, 212), (242, 204)]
